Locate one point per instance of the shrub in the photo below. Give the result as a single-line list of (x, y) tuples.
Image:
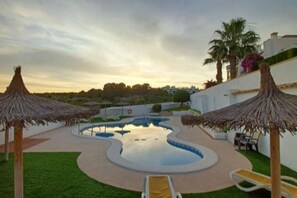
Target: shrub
[(290, 53), (209, 84), (157, 108), (225, 129)]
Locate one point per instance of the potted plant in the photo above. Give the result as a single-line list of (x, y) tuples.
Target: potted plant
[(221, 133)]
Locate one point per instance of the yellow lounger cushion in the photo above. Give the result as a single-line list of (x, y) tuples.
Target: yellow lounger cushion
[(260, 179), (251, 175), (159, 187)]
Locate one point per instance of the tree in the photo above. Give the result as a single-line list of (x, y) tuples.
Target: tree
[(217, 53), (120, 89), (238, 41), (109, 91), (181, 96), (209, 84), (141, 90)]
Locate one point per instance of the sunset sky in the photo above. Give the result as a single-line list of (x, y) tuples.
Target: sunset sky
[(75, 45)]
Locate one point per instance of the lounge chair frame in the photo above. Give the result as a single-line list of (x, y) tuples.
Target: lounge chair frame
[(237, 178), (146, 193), (238, 137), (249, 140)]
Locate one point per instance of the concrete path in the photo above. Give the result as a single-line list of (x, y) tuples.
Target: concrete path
[(93, 161)]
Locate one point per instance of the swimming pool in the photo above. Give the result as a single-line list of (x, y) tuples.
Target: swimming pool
[(145, 142), (150, 145)]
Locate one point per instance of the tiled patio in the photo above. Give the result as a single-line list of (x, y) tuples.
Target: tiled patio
[(93, 161)]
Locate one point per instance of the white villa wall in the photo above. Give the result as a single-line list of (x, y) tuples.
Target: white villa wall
[(220, 96), (31, 130), (276, 45)]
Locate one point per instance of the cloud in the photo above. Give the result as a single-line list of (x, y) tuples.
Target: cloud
[(85, 44)]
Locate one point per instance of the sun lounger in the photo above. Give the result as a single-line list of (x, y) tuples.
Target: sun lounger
[(262, 181), (159, 186)]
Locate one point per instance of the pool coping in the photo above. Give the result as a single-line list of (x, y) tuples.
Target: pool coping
[(210, 158)]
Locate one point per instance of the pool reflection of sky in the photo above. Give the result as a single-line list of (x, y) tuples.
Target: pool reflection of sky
[(148, 146)]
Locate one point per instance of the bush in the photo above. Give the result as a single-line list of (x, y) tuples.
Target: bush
[(157, 108), (209, 83), (250, 61), (225, 129), (290, 53)]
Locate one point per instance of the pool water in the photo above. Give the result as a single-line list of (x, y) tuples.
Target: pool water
[(145, 142)]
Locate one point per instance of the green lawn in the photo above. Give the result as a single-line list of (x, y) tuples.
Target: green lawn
[(184, 108), (57, 175), (99, 119)]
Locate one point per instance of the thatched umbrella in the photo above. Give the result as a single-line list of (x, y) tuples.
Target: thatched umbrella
[(91, 104), (122, 131), (271, 111), (104, 104), (122, 104), (18, 108)]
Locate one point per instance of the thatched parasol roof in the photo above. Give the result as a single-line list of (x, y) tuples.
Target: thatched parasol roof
[(271, 111), (18, 107), (17, 104), (271, 107), (91, 104)]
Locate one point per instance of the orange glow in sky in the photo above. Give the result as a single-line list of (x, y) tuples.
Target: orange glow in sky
[(78, 45)]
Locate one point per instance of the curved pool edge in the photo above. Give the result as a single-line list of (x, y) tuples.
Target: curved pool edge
[(209, 159)]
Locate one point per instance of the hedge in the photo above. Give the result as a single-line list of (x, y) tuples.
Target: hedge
[(290, 53)]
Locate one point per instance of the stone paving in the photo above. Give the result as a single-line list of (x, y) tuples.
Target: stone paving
[(93, 161)]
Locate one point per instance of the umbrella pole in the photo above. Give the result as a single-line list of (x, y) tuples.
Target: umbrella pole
[(275, 163), (18, 160), (6, 146)]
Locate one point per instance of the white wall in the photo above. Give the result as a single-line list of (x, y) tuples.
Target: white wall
[(220, 96), (137, 110), (31, 130), (274, 46)]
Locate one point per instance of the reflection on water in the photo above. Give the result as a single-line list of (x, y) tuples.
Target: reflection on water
[(147, 144)]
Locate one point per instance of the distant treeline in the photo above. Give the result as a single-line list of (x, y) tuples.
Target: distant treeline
[(114, 93)]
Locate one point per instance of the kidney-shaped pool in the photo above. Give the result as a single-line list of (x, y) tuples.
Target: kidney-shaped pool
[(147, 144)]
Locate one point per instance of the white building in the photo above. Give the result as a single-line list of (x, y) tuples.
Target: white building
[(173, 89), (277, 44), (246, 86), (272, 46)]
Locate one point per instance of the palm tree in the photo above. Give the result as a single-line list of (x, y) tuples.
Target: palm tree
[(237, 40), (217, 54)]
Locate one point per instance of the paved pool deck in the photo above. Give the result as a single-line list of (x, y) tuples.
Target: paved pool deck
[(93, 161)]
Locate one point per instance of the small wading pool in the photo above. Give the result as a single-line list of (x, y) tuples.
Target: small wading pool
[(149, 145)]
